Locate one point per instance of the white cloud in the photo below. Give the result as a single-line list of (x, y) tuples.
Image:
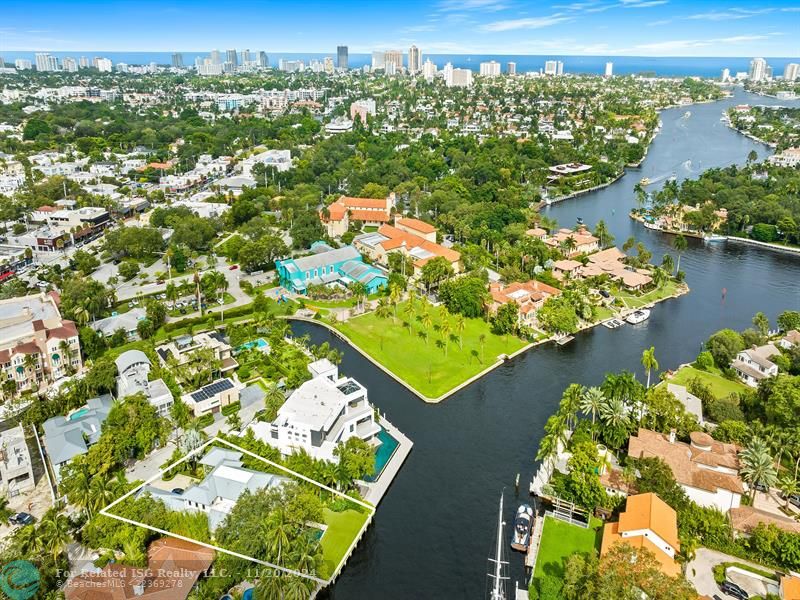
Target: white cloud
[(729, 15), (461, 5), (642, 3), (526, 23), (676, 45)]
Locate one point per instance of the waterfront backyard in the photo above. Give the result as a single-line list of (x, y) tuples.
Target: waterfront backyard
[(721, 386), (431, 359), (560, 540)]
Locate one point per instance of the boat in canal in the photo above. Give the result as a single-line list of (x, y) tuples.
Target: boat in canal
[(713, 238), (521, 536), (644, 181), (639, 316), (497, 575)]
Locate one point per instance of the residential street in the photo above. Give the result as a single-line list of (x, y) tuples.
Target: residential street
[(700, 573)]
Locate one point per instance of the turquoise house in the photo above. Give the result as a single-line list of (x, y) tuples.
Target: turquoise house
[(342, 265)]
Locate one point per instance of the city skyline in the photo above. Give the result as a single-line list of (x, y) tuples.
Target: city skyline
[(586, 27)]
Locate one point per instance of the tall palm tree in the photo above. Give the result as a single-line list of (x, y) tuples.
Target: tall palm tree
[(383, 310), (102, 490), (789, 487), (680, 244), (54, 528), (649, 362), (570, 404), (172, 294), (613, 415), (461, 325), (427, 322), (444, 329), (667, 263), (395, 294), (412, 295), (591, 402), (757, 465), (277, 529), (78, 489)]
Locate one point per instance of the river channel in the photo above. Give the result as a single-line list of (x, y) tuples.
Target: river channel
[(436, 527)]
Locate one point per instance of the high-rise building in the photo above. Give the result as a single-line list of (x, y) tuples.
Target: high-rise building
[(490, 69), (70, 64), (791, 72), (341, 58), (23, 64), (511, 68), (378, 59), (247, 57), (216, 59), (232, 57), (328, 64), (122, 67), (758, 69), (429, 70), (414, 60), (2, 62), (291, 66), (461, 78), (609, 69), (83, 62), (553, 67), (43, 62), (104, 65), (177, 60), (726, 75), (52, 62), (263, 59), (394, 57)]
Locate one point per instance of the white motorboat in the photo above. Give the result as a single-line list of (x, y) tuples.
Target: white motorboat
[(638, 316)]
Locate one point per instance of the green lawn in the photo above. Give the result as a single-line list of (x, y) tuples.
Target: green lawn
[(343, 527), (637, 301), (424, 364), (560, 540), (721, 387)]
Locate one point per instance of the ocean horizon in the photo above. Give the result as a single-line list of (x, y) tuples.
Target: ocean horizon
[(677, 66)]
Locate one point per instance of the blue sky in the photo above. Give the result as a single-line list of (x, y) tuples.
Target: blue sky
[(601, 27)]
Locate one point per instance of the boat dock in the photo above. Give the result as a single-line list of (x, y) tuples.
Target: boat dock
[(374, 491)]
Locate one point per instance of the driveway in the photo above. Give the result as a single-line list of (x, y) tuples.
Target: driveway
[(144, 469), (700, 573)]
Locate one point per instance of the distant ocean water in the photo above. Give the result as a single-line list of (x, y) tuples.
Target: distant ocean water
[(623, 65)]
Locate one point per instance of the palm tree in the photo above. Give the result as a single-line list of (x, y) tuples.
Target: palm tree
[(426, 321), (102, 491), (409, 310), (757, 466), (613, 415), (384, 311), (461, 325), (667, 263), (54, 528), (395, 294), (412, 296), (482, 341), (591, 402), (30, 541), (570, 404), (444, 330), (78, 489), (659, 277), (649, 362), (277, 530), (172, 294), (789, 487), (680, 244)]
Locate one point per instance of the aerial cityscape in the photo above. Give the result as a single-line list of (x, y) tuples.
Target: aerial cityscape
[(478, 299)]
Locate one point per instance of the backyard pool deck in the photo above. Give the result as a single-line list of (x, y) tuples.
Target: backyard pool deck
[(374, 491)]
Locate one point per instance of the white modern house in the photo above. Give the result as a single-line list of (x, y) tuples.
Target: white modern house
[(133, 367), (321, 413), (754, 364), (210, 398), (16, 469)]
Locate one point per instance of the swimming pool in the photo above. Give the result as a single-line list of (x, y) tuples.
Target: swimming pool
[(78, 414), (260, 343), (383, 453)]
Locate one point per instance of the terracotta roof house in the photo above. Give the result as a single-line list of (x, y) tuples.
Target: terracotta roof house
[(790, 587), (372, 212), (648, 522), (610, 262), (403, 237), (707, 470), (174, 566), (745, 519), (529, 296), (585, 242)]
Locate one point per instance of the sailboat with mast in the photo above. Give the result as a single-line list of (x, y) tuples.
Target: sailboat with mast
[(498, 573)]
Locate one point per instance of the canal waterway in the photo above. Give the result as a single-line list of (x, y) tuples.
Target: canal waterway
[(436, 526)]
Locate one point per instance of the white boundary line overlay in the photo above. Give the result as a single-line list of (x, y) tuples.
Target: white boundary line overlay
[(323, 582)]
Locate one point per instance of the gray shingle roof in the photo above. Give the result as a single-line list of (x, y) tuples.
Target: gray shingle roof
[(130, 357), (323, 259)]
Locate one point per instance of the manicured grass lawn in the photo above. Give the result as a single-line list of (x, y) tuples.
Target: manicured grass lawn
[(603, 313), (342, 530), (560, 540), (346, 303), (721, 387), (424, 364), (634, 301)]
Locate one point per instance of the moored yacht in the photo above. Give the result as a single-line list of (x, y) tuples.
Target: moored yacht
[(638, 316), (521, 536)]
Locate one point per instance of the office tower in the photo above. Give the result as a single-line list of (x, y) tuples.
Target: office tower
[(447, 74), (553, 67), (232, 57), (263, 59), (42, 61), (726, 75), (758, 69), (83, 62), (414, 60), (291, 66), (328, 64), (490, 69), (341, 57), (394, 57), (511, 68), (216, 59), (103, 65), (70, 64), (177, 60), (2, 62), (378, 59), (52, 62), (429, 70), (609, 69), (791, 72), (247, 57), (122, 67), (23, 64)]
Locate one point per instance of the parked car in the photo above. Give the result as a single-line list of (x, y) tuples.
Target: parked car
[(794, 499), (233, 267), (605, 294), (731, 589), (761, 487), (159, 281), (178, 491), (21, 518)]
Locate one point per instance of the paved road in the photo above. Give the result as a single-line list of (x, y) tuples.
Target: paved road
[(144, 469), (700, 573)]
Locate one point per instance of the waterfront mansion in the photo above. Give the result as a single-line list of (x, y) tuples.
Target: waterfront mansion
[(321, 413)]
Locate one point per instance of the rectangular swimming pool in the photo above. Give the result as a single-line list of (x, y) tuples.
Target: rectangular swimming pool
[(383, 453)]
